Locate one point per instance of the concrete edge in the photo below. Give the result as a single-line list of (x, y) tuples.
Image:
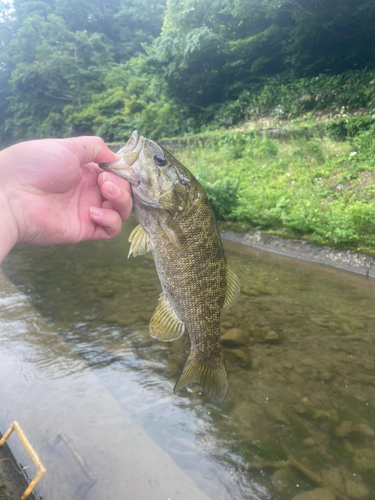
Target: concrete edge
[(348, 260)]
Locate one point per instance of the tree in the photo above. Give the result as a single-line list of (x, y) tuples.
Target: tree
[(57, 71)]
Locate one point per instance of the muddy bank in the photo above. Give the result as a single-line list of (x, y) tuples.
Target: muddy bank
[(11, 476), (298, 249)]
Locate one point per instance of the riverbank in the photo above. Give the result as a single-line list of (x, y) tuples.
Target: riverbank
[(348, 260)]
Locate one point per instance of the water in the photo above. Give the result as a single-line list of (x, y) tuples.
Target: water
[(302, 375)]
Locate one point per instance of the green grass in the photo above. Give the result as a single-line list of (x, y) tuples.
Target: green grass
[(314, 186)]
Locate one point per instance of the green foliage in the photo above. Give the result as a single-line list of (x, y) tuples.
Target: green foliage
[(286, 98), (315, 188), (55, 58), (350, 126), (222, 195), (181, 66)]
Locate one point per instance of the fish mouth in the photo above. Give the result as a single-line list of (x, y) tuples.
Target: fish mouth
[(128, 155), (132, 142)]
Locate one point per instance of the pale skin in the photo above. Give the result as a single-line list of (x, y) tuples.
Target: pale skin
[(52, 192)]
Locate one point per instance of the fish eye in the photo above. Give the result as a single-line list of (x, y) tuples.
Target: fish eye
[(160, 160)]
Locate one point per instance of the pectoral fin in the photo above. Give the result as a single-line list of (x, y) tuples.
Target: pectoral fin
[(171, 233), (233, 289), (165, 325), (212, 378), (140, 242)]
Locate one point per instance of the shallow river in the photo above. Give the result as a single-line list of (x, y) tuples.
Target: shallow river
[(300, 348)]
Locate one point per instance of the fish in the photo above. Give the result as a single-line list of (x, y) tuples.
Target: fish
[(177, 224)]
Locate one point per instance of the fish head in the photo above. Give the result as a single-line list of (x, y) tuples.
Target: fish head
[(157, 179)]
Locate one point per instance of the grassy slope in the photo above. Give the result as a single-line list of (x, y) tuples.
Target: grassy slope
[(302, 184)]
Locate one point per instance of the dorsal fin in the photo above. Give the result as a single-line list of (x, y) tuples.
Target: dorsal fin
[(233, 289), (140, 242), (165, 325)]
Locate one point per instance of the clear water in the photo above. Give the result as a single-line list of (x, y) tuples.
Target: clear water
[(302, 376)]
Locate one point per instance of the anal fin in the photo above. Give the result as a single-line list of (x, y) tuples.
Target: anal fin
[(233, 288), (140, 242), (165, 325)]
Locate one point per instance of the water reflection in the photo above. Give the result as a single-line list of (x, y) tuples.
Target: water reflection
[(301, 359)]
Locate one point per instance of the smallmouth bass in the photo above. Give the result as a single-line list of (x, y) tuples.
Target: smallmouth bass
[(177, 224)]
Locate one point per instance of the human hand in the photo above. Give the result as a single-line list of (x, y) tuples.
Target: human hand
[(52, 191)]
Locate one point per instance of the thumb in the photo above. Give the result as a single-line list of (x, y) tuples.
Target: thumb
[(89, 149)]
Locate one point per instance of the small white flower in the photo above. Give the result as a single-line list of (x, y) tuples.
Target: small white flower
[(353, 153), (264, 166), (292, 182), (288, 175)]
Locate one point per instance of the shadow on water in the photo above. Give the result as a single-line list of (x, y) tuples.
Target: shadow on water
[(300, 349)]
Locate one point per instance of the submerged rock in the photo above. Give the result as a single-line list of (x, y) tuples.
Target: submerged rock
[(332, 477), (309, 442), (235, 337), (365, 430), (356, 490), (365, 459), (271, 337), (281, 479), (242, 356), (348, 427), (318, 494), (344, 429), (276, 412)]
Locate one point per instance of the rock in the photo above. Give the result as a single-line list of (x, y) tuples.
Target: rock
[(369, 365), (308, 442), (324, 375), (271, 337), (241, 355), (276, 412), (255, 364), (365, 459), (349, 447), (344, 429), (258, 332), (235, 338), (356, 490), (299, 408), (227, 324), (332, 477), (318, 494), (307, 362), (346, 329), (281, 479), (288, 365), (365, 430)]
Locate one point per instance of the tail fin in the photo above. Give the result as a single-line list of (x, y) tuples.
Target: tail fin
[(212, 379)]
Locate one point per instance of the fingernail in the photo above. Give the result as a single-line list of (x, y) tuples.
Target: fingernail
[(114, 190), (98, 212)]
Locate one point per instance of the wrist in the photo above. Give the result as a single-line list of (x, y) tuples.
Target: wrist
[(8, 226), (8, 230)]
